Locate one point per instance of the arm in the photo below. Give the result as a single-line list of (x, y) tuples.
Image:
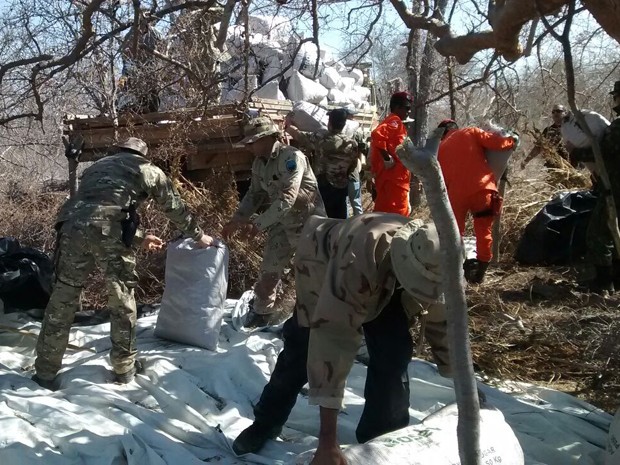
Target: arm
[(291, 168), (158, 186), (493, 141), (252, 200)]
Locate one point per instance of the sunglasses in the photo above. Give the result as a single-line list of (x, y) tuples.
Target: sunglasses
[(557, 111)]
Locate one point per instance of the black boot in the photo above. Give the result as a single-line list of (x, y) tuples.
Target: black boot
[(50, 384), (480, 271), (469, 269), (603, 282), (253, 438)]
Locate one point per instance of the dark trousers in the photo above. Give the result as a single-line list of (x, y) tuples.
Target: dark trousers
[(334, 198), (387, 382)]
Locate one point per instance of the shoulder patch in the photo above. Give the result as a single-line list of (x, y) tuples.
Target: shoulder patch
[(393, 124), (291, 165)]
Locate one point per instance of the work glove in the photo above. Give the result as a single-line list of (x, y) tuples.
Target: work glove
[(389, 163)]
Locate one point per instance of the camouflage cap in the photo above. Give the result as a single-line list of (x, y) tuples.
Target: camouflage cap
[(133, 144), (257, 128), (415, 258)]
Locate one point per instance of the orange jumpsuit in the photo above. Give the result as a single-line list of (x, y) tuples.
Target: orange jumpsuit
[(470, 182), (392, 184)]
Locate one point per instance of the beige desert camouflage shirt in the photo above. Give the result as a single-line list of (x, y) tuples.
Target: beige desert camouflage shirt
[(344, 279), (118, 181), (285, 183), (336, 155)]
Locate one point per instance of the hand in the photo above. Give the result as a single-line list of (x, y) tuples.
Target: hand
[(330, 455), (205, 241), (389, 163), (151, 243)]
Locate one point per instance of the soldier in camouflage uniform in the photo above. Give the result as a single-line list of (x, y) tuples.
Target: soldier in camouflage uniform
[(98, 228), (601, 250), (371, 272), (284, 185), (336, 157)]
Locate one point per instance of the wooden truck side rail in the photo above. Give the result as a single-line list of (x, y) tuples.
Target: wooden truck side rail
[(209, 138)]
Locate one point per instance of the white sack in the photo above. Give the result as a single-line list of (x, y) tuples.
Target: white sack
[(346, 85), (356, 74), (309, 117), (337, 96), (350, 128), (363, 92), (270, 90), (273, 67), (192, 306), (573, 134), (276, 28), (306, 61), (302, 88), (330, 78), (498, 161), (434, 442)]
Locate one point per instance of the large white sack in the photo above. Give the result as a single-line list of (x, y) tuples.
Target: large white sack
[(612, 452), (497, 159), (363, 92), (572, 133), (330, 77), (272, 68), (192, 306), (306, 61), (277, 28), (308, 117), (356, 74), (351, 127), (434, 442), (337, 96), (302, 88), (346, 85), (270, 90)]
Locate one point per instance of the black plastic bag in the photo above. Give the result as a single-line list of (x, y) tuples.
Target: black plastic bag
[(557, 234), (25, 276)]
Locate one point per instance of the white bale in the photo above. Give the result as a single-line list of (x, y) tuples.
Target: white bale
[(323, 103), (346, 85), (356, 74), (497, 159), (434, 441), (192, 306), (272, 68), (276, 28), (302, 88), (351, 127), (309, 117), (363, 92), (337, 96), (306, 61), (271, 90), (330, 77)]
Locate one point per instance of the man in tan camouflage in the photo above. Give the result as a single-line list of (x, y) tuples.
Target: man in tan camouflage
[(283, 183), (98, 228), (336, 157), (371, 272)]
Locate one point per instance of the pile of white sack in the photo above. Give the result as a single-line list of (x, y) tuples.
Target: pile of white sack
[(323, 81)]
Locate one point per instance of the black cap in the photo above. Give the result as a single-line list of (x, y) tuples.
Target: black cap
[(338, 116)]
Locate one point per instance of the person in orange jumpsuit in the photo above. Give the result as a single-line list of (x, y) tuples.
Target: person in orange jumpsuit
[(392, 179), (472, 187)]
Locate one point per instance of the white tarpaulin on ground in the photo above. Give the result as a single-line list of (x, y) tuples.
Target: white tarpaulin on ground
[(191, 403)]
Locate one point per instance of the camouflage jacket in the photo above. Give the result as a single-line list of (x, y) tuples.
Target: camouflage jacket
[(114, 183), (344, 279), (336, 155), (285, 184)]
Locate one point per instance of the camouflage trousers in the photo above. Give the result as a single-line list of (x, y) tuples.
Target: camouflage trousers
[(279, 250), (79, 249), (600, 244)]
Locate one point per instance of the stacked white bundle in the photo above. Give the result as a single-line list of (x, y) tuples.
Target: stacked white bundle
[(286, 70)]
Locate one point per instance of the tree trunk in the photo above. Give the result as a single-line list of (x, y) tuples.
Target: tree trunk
[(424, 162)]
